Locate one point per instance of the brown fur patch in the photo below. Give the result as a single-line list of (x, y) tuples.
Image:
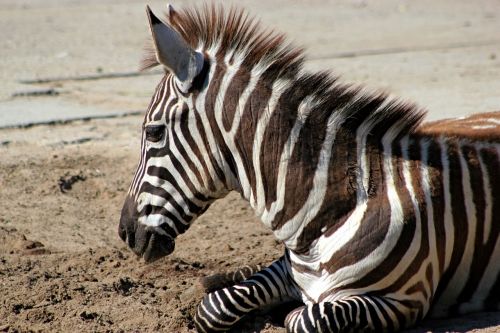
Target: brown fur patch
[(477, 127)]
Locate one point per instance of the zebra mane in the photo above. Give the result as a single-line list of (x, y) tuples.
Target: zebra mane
[(220, 32), (211, 27)]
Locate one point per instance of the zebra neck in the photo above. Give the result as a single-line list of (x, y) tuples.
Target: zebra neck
[(300, 150), (305, 176)]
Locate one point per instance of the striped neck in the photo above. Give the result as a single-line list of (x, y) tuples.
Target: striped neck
[(286, 140)]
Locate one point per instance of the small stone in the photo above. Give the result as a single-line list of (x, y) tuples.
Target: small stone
[(88, 315)]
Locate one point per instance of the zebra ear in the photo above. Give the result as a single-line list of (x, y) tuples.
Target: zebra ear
[(173, 52)]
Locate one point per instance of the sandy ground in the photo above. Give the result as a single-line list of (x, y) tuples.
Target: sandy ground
[(62, 265)]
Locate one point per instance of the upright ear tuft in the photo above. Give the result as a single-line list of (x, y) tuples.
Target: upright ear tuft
[(153, 19), (171, 13), (173, 52)]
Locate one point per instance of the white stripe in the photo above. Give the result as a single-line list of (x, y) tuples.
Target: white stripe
[(448, 219), (481, 127), (293, 228), (219, 110), (149, 199), (493, 120), (278, 293), (200, 316), (163, 97), (214, 318), (230, 136), (257, 284), (488, 209), (225, 309), (304, 110), (198, 142), (416, 243), (234, 302), (257, 200), (238, 290), (193, 157), (377, 310), (166, 162), (155, 220), (214, 149), (457, 282), (426, 187)]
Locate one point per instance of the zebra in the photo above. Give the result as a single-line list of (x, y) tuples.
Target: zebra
[(384, 219)]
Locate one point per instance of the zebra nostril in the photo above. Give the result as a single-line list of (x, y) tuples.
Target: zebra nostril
[(122, 232), (126, 231), (148, 210)]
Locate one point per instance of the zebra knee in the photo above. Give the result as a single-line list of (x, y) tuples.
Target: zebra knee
[(306, 319), (220, 309), (311, 318), (216, 314)]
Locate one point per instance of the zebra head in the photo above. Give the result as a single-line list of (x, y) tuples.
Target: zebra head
[(168, 192)]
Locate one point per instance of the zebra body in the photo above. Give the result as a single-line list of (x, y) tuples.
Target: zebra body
[(384, 220)]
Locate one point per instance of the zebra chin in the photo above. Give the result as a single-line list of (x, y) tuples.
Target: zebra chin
[(149, 242)]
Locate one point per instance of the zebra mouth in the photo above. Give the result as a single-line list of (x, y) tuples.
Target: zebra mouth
[(156, 244), (150, 243)]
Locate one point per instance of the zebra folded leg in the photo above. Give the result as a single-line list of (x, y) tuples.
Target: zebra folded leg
[(220, 281), (353, 314), (221, 309)]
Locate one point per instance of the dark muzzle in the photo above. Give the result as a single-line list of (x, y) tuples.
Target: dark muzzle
[(151, 243)]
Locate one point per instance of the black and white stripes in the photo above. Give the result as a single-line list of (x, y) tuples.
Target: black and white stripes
[(385, 220), (221, 309)]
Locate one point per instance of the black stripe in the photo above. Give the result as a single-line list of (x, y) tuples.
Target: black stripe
[(459, 212), (491, 161), (166, 176)]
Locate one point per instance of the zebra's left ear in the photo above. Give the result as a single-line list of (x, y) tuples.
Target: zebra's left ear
[(173, 52)]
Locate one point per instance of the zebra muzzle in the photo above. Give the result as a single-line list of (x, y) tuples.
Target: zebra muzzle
[(151, 243), (156, 244), (148, 242)]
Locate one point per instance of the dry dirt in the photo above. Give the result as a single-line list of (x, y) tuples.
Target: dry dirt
[(63, 267)]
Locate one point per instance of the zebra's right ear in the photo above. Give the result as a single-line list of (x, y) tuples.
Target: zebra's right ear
[(173, 52)]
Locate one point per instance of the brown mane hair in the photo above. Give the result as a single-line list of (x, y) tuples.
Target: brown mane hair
[(212, 26)]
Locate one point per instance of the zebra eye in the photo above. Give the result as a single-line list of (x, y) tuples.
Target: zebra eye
[(155, 133)]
